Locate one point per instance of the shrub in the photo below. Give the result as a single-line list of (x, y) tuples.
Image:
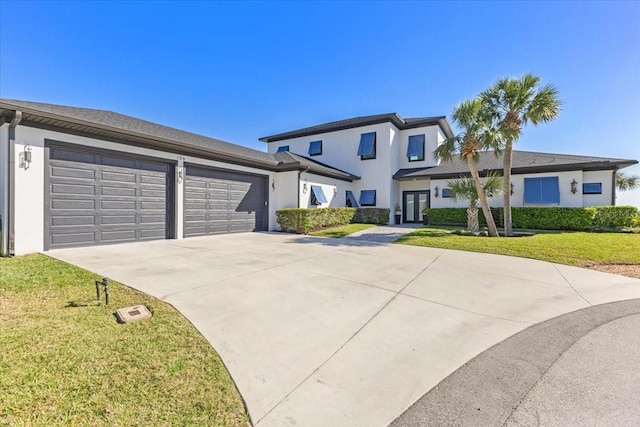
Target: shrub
[(456, 216), (553, 218), (303, 220), (614, 216)]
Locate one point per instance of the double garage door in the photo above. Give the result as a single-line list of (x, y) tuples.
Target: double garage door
[(100, 197)]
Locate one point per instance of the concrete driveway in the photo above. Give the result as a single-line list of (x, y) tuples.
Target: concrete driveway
[(351, 332)]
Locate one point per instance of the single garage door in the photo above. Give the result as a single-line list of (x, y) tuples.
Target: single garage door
[(96, 198), (223, 202)]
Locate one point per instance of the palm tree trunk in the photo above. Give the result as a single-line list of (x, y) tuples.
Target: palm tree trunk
[(472, 219), (507, 162), (493, 230)]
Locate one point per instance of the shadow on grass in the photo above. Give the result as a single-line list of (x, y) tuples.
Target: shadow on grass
[(88, 303)]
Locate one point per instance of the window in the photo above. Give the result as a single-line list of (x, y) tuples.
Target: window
[(592, 188), (415, 151), (542, 190), (282, 149), (315, 148), (446, 192), (351, 200), (368, 198), (367, 147), (317, 195)]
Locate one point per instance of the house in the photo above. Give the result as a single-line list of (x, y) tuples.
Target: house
[(393, 157), (74, 176)]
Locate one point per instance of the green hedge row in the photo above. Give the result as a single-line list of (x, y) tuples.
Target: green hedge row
[(301, 220), (590, 218)]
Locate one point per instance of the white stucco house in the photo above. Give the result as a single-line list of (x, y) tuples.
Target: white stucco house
[(74, 176)]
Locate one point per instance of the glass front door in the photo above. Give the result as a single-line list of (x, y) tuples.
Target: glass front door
[(413, 203)]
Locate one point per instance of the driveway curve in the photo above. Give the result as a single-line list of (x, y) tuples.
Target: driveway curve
[(352, 332)]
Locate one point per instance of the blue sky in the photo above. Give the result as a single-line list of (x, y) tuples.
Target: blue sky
[(241, 70)]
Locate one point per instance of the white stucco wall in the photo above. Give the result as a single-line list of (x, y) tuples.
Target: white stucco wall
[(567, 198), (333, 189), (30, 191), (604, 177), (432, 137)]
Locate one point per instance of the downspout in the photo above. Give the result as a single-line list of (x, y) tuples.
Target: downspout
[(613, 187), (300, 172), (7, 243)]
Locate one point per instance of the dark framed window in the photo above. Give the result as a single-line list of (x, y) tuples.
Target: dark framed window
[(592, 188), (315, 148), (282, 149), (544, 190), (368, 198), (367, 147), (446, 193), (351, 201), (317, 195), (415, 150)]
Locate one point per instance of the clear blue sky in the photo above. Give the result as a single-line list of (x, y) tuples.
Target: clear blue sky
[(241, 70)]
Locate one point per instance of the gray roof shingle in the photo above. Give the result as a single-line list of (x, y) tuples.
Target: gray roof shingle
[(523, 162), (355, 122), (288, 159)]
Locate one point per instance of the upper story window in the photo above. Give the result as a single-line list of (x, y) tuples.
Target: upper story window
[(282, 149), (317, 195), (368, 198), (415, 150), (367, 147), (446, 192), (542, 190), (351, 200), (315, 148), (592, 188)]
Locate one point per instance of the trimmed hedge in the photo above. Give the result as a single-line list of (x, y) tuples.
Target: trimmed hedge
[(303, 220), (553, 218)]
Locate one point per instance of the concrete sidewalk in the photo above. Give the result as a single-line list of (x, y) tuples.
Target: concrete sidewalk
[(351, 331)]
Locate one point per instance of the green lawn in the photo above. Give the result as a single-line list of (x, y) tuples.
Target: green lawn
[(342, 231), (65, 361), (572, 248)]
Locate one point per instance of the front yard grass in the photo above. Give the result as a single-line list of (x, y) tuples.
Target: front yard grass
[(343, 230), (572, 248), (65, 361)]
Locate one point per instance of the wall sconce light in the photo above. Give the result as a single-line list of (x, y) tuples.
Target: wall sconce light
[(304, 187), (180, 175), (436, 191), (511, 191), (574, 186), (25, 158), (273, 185), (335, 191)]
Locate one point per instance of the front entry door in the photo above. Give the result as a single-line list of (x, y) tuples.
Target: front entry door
[(413, 203)]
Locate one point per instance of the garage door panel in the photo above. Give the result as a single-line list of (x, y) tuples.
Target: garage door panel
[(95, 199), (225, 201)]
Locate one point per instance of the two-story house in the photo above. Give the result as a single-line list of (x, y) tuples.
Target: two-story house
[(73, 176), (393, 157)]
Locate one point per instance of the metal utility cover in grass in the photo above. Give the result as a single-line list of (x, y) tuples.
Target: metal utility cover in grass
[(132, 314)]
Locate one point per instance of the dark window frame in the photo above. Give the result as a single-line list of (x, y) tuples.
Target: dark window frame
[(544, 197), (598, 191), (446, 193), (422, 156), (282, 149), (371, 156), (315, 152), (350, 201), (316, 198), (375, 195)]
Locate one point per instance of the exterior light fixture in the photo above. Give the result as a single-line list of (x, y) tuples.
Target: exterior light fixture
[(436, 191), (180, 175), (335, 191), (25, 157), (574, 186), (304, 187), (511, 191), (273, 185)]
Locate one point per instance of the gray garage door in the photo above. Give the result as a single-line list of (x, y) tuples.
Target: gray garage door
[(97, 198), (223, 202)]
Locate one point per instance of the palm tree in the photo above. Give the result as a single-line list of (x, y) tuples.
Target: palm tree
[(512, 104), (626, 182), (464, 188), (476, 136)]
